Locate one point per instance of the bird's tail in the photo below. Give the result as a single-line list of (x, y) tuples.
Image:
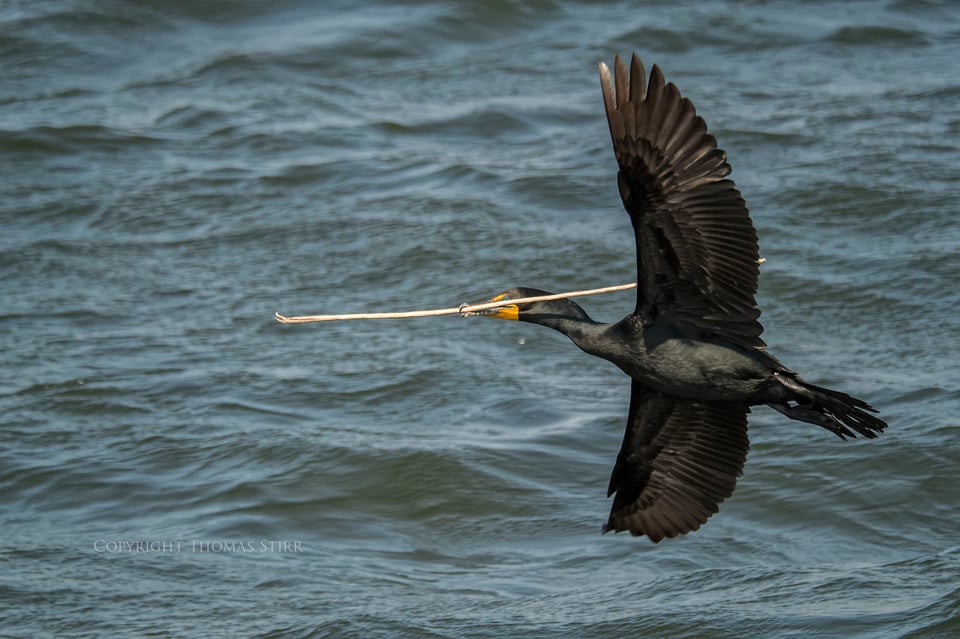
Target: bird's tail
[(841, 414)]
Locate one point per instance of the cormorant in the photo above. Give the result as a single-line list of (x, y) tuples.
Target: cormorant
[(692, 345)]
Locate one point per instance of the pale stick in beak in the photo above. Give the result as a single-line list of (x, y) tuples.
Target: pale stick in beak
[(464, 310)]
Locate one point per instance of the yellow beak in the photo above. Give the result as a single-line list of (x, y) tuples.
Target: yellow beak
[(507, 311)]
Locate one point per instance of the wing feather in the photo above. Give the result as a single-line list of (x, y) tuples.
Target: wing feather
[(697, 252), (680, 458)]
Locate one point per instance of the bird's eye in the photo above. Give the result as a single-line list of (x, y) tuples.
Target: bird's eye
[(505, 298)]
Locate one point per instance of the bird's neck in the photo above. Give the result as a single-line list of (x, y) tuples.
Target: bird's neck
[(582, 331)]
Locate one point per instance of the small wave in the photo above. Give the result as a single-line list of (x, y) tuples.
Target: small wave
[(71, 139), (876, 35)]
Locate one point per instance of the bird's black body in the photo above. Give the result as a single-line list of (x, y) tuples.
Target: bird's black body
[(692, 346)]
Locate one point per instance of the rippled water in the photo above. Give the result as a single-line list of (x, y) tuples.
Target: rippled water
[(175, 463)]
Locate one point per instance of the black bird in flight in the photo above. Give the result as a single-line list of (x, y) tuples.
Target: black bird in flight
[(692, 345)]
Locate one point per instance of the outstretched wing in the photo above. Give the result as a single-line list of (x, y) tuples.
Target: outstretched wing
[(680, 458), (697, 252)]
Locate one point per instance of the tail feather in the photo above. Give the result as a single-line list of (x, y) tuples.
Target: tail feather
[(841, 414)]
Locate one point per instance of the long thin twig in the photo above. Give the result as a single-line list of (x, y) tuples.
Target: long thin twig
[(460, 310)]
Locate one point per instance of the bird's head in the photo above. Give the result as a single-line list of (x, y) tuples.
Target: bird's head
[(535, 312)]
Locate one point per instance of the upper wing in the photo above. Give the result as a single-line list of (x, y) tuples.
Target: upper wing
[(697, 252), (680, 458)]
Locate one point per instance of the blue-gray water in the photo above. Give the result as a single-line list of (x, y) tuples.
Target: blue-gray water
[(172, 173)]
